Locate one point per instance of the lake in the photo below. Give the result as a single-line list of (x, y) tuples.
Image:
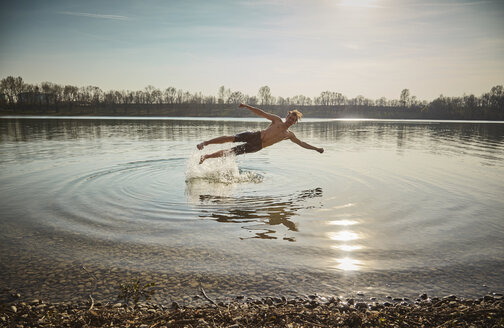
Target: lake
[(391, 208)]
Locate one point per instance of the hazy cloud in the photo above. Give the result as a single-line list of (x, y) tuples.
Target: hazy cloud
[(100, 16)]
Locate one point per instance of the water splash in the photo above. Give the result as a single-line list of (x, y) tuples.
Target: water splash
[(223, 170), (215, 177)]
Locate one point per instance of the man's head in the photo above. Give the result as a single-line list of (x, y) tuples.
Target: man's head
[(293, 116)]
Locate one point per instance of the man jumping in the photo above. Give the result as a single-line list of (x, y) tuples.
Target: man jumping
[(277, 131)]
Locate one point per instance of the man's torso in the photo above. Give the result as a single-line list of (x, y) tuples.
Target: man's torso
[(274, 133)]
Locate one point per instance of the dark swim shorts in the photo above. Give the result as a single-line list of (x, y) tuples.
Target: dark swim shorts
[(252, 143)]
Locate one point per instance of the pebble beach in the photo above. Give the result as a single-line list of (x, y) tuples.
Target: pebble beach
[(312, 311)]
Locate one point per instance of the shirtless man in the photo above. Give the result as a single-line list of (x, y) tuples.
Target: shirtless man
[(277, 131)]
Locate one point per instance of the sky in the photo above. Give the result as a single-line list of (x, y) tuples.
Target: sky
[(374, 48)]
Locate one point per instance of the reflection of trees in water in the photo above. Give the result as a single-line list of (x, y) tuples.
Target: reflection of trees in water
[(459, 136), (267, 211), (407, 134), (362, 131), (71, 129)]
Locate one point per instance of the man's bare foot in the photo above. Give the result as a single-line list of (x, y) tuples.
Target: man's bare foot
[(202, 159), (200, 146)]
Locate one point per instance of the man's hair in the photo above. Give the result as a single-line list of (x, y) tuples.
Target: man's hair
[(297, 113)]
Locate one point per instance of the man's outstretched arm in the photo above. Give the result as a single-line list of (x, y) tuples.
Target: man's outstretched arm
[(260, 112), (303, 144)]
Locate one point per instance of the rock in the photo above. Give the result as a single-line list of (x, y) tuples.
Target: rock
[(350, 301), (3, 319), (372, 299), (360, 294), (13, 308), (424, 296), (117, 305), (334, 300), (449, 297), (175, 305), (488, 298), (344, 307), (361, 306)]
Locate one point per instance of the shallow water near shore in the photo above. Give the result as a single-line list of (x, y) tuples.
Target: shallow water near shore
[(390, 208)]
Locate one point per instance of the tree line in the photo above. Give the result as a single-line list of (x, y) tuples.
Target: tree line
[(16, 95)]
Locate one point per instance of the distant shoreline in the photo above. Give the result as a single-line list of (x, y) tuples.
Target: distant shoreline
[(230, 111), (231, 118)]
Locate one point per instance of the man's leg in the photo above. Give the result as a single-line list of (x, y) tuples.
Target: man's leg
[(217, 140), (219, 153)]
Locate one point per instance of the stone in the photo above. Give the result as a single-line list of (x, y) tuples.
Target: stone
[(488, 298), (423, 296), (361, 306), (117, 305), (13, 308)]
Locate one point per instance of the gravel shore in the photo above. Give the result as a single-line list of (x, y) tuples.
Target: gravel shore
[(313, 311)]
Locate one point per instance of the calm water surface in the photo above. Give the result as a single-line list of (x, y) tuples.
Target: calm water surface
[(391, 208)]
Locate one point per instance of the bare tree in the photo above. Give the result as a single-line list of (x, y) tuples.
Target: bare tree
[(405, 98), (12, 86), (170, 94), (236, 97), (265, 97)]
